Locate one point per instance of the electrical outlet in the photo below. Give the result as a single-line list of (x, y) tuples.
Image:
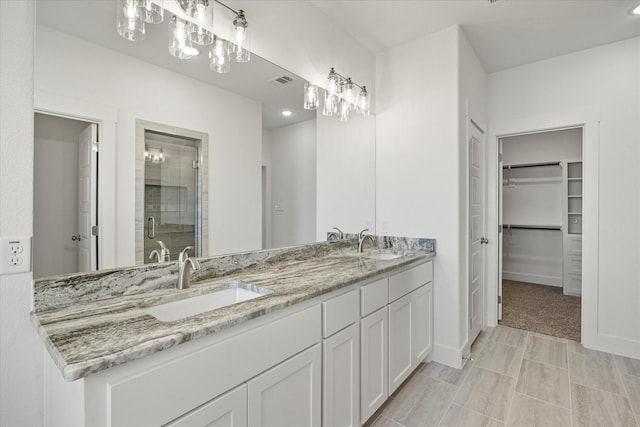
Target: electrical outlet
[(16, 255)]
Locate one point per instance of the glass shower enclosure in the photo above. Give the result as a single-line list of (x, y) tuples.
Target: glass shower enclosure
[(170, 196)]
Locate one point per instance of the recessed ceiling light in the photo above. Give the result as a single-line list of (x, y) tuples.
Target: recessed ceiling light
[(636, 11), (287, 113)]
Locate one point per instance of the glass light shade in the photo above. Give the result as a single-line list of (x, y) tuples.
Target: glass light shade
[(343, 110), (310, 96), (330, 104), (219, 60), (333, 82), (179, 44), (364, 101), (153, 11), (240, 43), (130, 19), (200, 26), (349, 94)]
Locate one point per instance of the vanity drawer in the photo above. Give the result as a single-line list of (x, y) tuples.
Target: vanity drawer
[(405, 282), (373, 296), (339, 312)]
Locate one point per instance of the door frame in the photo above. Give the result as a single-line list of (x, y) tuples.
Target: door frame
[(106, 118), (589, 119)]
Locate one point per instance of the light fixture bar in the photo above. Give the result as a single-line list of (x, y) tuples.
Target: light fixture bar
[(339, 97)]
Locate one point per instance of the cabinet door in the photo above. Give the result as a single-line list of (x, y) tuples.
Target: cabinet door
[(421, 324), (400, 337), (289, 394), (228, 410), (341, 379), (373, 363)]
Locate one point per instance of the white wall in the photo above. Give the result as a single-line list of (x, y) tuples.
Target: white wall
[(421, 162), (21, 354), (605, 79), (293, 184), (346, 189), (233, 124), (543, 147), (55, 187)]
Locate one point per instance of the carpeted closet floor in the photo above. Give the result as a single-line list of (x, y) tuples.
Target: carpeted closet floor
[(540, 308)]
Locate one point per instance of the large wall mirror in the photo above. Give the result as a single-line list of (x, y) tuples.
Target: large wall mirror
[(272, 180)]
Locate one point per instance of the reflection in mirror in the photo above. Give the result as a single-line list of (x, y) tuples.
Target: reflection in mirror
[(273, 180), (171, 192)]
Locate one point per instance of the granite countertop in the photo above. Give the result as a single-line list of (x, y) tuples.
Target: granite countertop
[(88, 335)]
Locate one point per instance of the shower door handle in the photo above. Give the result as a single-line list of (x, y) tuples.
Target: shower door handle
[(151, 227)]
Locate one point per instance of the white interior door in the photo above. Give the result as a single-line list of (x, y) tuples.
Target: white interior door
[(87, 198), (477, 239), (501, 235)]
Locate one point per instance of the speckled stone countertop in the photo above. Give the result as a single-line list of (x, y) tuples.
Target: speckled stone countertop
[(93, 321)]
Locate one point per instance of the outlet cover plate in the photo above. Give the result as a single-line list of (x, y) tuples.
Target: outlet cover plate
[(16, 255)]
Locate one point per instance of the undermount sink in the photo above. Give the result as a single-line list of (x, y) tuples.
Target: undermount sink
[(386, 255), (235, 293)]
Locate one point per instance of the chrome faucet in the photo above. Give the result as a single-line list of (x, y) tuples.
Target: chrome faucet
[(163, 255), (335, 235), (362, 237), (186, 264)]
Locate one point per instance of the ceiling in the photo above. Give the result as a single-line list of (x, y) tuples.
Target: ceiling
[(504, 34)]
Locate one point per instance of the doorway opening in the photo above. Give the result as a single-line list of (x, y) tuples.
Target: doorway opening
[(540, 208), (65, 196)]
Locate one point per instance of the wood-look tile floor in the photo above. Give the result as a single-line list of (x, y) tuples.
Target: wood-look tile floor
[(520, 378)]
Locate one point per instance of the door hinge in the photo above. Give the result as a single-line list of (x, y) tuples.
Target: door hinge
[(196, 164), (95, 230), (499, 228), (499, 157), (499, 299)]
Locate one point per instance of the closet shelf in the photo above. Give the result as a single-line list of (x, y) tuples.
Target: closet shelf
[(574, 179), (575, 213), (576, 196)]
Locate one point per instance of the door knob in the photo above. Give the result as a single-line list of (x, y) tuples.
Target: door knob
[(484, 240), (78, 238)]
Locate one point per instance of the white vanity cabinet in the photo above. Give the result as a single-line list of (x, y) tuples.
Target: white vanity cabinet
[(228, 410), (341, 361), (410, 336), (331, 362), (374, 347), (288, 394)]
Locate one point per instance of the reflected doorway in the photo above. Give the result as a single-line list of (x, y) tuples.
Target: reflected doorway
[(65, 196)]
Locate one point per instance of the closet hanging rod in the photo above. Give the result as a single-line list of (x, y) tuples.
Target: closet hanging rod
[(533, 227), (530, 165)]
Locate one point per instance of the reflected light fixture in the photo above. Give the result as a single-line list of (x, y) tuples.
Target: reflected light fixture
[(339, 97), (636, 11), (154, 155), (130, 19), (191, 23), (287, 113)]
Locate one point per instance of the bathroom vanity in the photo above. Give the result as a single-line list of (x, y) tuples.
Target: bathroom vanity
[(335, 333)]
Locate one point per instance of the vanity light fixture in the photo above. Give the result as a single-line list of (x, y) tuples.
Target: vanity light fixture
[(287, 113), (191, 23), (339, 97), (636, 11)]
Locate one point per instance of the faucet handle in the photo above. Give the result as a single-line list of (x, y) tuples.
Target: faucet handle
[(184, 255), (340, 233)]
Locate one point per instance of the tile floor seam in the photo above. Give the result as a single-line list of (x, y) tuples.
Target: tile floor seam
[(453, 398), (541, 400), (547, 364), (570, 392), (599, 389), (515, 385), (628, 396)]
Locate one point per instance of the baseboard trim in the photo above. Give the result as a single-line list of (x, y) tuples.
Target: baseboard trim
[(616, 345), (532, 278), (446, 355)]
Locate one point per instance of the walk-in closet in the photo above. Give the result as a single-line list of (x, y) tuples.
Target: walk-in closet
[(541, 217)]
